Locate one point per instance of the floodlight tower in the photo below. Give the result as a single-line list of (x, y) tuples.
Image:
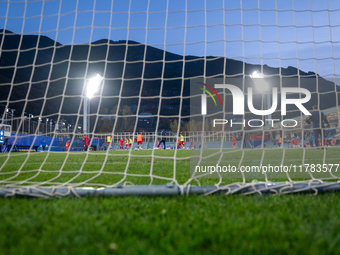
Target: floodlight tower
[(263, 87), (90, 89), (7, 110), (29, 122), (12, 116), (23, 123)]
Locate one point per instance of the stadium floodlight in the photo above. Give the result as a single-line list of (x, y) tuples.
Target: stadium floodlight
[(92, 87), (256, 74), (260, 83)]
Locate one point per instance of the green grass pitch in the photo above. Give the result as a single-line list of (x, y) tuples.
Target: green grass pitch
[(219, 224)]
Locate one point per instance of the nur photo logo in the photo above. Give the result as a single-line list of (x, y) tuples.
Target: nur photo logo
[(204, 98), (239, 102)]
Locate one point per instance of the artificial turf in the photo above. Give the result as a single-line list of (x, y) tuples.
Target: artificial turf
[(218, 224), (293, 224)]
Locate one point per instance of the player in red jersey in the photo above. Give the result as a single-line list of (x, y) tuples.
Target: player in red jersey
[(234, 142), (87, 142), (295, 143), (139, 141), (67, 145), (121, 143)]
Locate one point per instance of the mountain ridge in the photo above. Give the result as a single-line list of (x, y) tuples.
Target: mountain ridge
[(56, 76)]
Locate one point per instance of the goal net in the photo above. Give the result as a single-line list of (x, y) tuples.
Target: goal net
[(168, 97)]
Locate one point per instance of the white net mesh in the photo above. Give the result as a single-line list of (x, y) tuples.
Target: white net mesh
[(156, 60)]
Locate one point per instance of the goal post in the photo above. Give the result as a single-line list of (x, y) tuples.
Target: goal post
[(217, 94)]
